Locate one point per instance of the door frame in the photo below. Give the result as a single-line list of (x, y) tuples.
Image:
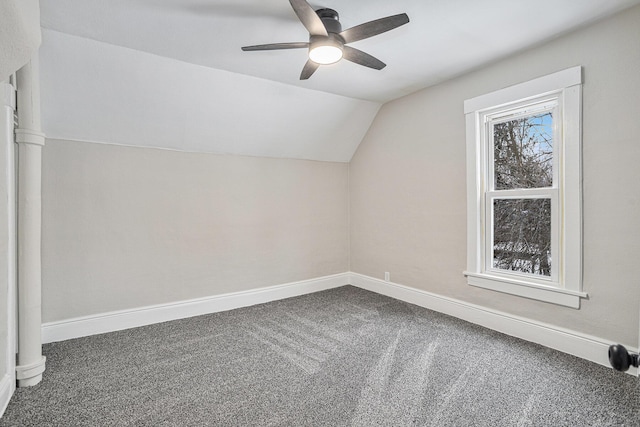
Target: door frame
[(8, 264)]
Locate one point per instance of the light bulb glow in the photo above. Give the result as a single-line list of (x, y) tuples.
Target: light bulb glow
[(325, 54)]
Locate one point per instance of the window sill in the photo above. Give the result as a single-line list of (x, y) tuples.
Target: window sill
[(525, 289)]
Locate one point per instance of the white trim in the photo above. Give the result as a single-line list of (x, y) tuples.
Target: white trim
[(572, 178), (474, 193), (8, 378), (575, 343), (125, 319), (25, 372), (549, 83), (12, 263), (7, 387), (563, 88), (8, 95), (526, 289), (28, 136)]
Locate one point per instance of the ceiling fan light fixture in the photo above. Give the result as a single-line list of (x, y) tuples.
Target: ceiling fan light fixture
[(325, 50), (325, 55)]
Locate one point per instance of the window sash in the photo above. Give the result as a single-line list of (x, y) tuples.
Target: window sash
[(552, 105), (488, 236)]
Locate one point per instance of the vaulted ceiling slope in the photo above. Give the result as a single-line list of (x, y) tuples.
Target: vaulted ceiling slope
[(97, 92), (170, 73)]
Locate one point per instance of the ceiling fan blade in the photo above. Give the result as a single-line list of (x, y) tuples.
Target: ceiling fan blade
[(359, 57), (308, 17), (309, 68), (373, 28), (277, 46)]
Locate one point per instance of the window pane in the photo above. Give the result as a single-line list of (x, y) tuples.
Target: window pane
[(523, 152), (522, 235)]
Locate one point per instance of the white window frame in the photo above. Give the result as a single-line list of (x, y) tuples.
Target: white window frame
[(561, 93)]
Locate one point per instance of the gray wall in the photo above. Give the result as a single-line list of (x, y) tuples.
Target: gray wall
[(408, 194), (126, 227)]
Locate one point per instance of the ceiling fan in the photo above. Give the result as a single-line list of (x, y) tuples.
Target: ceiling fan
[(328, 42)]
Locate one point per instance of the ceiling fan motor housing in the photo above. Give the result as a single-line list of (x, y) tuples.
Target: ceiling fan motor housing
[(333, 39), (330, 19)]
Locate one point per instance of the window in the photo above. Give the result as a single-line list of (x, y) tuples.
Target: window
[(523, 189)]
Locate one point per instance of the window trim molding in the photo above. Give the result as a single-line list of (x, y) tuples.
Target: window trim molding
[(523, 91), (567, 85)]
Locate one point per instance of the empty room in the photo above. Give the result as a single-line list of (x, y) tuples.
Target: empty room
[(319, 213)]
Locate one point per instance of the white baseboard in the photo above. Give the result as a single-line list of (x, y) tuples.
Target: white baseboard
[(125, 319), (575, 343), (7, 387)]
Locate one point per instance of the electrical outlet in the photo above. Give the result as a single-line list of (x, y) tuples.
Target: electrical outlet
[(387, 276)]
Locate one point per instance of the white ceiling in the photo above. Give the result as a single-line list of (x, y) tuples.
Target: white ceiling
[(170, 73), (443, 39)]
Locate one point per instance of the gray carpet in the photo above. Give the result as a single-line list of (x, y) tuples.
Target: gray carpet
[(344, 357)]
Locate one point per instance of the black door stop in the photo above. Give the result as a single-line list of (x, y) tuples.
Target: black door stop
[(621, 359)]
